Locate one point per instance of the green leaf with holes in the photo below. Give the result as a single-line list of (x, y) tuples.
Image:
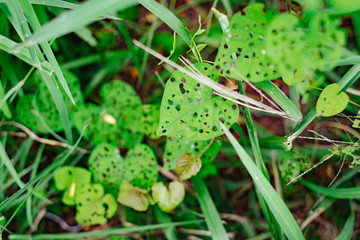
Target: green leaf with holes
[(133, 197), (99, 129), (325, 41), (150, 120), (121, 101), (189, 110), (70, 179), (92, 206), (140, 167), (175, 147), (286, 45), (35, 108), (67, 175), (168, 200), (242, 53), (331, 101), (187, 165), (106, 165)]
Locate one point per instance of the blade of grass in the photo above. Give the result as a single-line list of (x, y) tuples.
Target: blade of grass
[(275, 203), (348, 230), (340, 193), (8, 46), (29, 207), (346, 81), (3, 104), (275, 231), (35, 24), (72, 20), (20, 23), (168, 18), (280, 98), (45, 172), (209, 210), (104, 233)]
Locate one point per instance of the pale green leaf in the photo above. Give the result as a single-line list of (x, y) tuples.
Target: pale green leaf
[(331, 101), (187, 166), (168, 200), (133, 197)]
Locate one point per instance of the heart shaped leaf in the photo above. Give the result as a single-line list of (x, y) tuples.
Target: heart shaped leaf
[(175, 147), (168, 200), (140, 167), (65, 176), (331, 101), (133, 197), (106, 164), (31, 107), (187, 165), (285, 44), (190, 111), (93, 207), (242, 53), (71, 179)]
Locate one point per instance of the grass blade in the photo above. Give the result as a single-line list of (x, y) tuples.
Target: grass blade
[(280, 98), (72, 20), (3, 104), (209, 210), (275, 203), (8, 46), (168, 18), (348, 230), (35, 24), (104, 233), (341, 193)]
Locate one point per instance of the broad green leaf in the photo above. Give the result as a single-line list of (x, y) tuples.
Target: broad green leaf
[(150, 120), (133, 197), (65, 176), (175, 147), (31, 107), (140, 167), (71, 179), (277, 206), (325, 41), (242, 53), (106, 165), (285, 44), (331, 101), (98, 129), (190, 111), (168, 200), (121, 101), (187, 165), (93, 207)]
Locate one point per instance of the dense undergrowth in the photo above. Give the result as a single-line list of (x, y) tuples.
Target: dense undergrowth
[(179, 119)]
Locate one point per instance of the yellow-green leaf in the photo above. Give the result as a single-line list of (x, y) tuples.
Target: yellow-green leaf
[(187, 166)]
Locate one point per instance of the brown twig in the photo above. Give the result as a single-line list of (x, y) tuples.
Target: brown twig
[(37, 138), (312, 218)]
